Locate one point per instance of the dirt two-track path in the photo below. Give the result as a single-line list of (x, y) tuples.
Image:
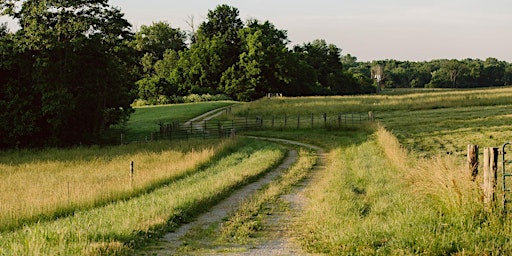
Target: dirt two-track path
[(279, 241)]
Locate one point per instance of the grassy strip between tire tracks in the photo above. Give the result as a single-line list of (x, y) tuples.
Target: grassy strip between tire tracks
[(248, 221), (114, 229)]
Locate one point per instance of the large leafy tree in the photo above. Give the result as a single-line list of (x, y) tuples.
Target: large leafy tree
[(158, 38), (159, 45), (76, 63), (325, 59), (261, 67), (217, 48)]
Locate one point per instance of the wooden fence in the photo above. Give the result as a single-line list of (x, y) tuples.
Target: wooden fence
[(230, 126), (493, 184)]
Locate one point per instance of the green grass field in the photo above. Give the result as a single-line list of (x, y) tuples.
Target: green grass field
[(145, 119), (397, 189)]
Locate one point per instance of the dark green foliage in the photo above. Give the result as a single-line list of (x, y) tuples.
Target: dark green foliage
[(68, 73), (247, 61), (467, 73)]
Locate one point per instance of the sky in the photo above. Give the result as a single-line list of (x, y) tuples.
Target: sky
[(415, 30)]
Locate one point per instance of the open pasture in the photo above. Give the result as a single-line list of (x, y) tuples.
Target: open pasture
[(145, 120), (430, 123)]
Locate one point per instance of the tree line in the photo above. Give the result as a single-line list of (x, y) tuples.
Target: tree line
[(444, 73), (73, 68), (244, 60)]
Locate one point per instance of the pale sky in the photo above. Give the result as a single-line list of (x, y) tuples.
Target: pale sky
[(413, 30)]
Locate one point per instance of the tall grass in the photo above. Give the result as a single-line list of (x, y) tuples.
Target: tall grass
[(51, 183), (117, 227), (375, 198)]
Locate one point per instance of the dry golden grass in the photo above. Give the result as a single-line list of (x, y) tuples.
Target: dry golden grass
[(40, 187), (442, 180)]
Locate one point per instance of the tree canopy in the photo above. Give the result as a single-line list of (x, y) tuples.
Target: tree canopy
[(68, 72), (73, 68)]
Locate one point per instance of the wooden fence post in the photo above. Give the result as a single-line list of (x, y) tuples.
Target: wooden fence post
[(490, 175), (131, 172), (473, 160)]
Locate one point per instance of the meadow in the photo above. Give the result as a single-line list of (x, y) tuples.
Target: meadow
[(145, 120), (399, 186), (114, 228)]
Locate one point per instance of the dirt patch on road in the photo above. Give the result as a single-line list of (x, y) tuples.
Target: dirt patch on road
[(171, 241)]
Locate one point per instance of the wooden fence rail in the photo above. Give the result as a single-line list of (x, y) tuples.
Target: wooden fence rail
[(229, 126)]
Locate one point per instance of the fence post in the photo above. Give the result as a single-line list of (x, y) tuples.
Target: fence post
[(339, 120), (473, 160), (490, 175), (324, 115), (131, 172), (371, 117)]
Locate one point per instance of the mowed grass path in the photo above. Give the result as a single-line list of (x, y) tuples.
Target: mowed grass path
[(116, 227), (145, 119)]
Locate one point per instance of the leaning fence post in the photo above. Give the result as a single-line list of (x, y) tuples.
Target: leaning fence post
[(490, 175), (473, 160)]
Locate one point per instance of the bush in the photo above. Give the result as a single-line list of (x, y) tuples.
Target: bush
[(192, 98)]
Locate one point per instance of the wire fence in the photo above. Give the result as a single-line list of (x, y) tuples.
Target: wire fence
[(230, 126)]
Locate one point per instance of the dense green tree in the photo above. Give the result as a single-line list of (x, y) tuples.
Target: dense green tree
[(261, 67), (507, 76), (75, 63), (223, 22), (158, 38), (217, 48), (331, 76)]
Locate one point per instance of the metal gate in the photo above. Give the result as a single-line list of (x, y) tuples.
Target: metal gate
[(506, 177)]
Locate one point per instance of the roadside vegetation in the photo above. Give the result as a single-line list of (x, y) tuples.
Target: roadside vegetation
[(386, 189), (395, 189), (377, 199), (248, 225), (114, 228)]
